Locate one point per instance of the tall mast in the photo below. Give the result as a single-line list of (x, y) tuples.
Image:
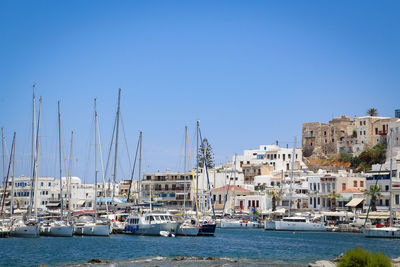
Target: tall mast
[(184, 175), (140, 166), (391, 176), (116, 145), (36, 168), (12, 178), (6, 182), (291, 176), (95, 160), (101, 160), (70, 173), (2, 148), (234, 186), (59, 159), (194, 184), (33, 152), (197, 158)]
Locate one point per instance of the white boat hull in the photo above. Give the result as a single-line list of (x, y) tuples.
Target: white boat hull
[(61, 230), (151, 229), (384, 232), (188, 230), (92, 230), (299, 226), (26, 231), (239, 225), (270, 225)]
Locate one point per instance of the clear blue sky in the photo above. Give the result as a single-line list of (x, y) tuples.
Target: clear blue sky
[(251, 71)]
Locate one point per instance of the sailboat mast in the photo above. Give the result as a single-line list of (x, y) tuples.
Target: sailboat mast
[(2, 148), (391, 176), (36, 168), (140, 166), (95, 160), (291, 176), (33, 151), (12, 177), (6, 182), (197, 158), (70, 174), (184, 175), (116, 145), (59, 159)]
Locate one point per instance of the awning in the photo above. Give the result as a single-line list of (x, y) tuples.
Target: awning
[(375, 215), (81, 202), (354, 202), (53, 205), (337, 214)]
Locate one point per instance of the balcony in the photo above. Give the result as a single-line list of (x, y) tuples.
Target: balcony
[(384, 132)]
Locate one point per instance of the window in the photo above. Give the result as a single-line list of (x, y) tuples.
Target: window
[(311, 200), (365, 122), (360, 132), (328, 188), (397, 199), (376, 130), (364, 133), (283, 155), (49, 183), (355, 183), (333, 186), (41, 184), (325, 133), (360, 123), (343, 186), (361, 183), (386, 188), (257, 203), (319, 200), (323, 188)]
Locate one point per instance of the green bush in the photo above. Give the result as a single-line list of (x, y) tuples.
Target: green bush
[(359, 257)]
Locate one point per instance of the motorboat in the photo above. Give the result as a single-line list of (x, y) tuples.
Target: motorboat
[(56, 228), (117, 222), (88, 225), (207, 228), (21, 228), (188, 228), (238, 224), (385, 232), (299, 224), (151, 223)]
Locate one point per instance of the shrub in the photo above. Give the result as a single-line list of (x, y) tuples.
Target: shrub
[(359, 257)]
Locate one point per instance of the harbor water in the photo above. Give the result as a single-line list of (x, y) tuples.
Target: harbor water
[(255, 247)]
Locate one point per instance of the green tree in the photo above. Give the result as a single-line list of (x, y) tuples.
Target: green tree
[(276, 196), (374, 197), (208, 153), (333, 196), (372, 112)]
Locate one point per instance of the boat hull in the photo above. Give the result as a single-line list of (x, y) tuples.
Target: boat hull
[(299, 226), (26, 231), (385, 232), (207, 230), (92, 230), (239, 225), (151, 229), (188, 230), (269, 225), (58, 231)]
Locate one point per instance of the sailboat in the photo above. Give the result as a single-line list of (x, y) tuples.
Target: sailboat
[(390, 231), (294, 223), (28, 226), (92, 225), (189, 227), (207, 226), (58, 227)]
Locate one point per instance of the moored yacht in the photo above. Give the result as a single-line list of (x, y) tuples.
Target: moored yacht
[(238, 224), (87, 225), (151, 223), (188, 228), (56, 228), (299, 224), (386, 232), (20, 228)]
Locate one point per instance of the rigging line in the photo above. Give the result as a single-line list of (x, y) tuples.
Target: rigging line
[(133, 169), (109, 152), (126, 142), (8, 173)]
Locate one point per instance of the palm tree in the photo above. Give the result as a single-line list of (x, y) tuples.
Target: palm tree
[(372, 112), (276, 196), (374, 193), (333, 196)]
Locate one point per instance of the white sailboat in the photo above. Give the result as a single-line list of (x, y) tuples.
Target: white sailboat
[(29, 226), (88, 225), (188, 227), (294, 223), (391, 231), (58, 228)]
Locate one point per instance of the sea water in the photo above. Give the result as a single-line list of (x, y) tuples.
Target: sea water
[(254, 246)]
